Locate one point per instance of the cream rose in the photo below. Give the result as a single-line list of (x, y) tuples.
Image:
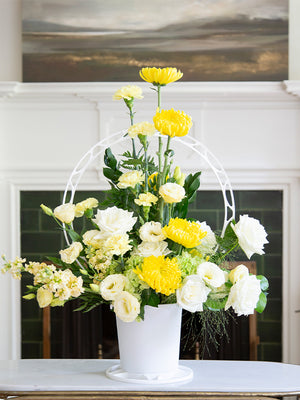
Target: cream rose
[(126, 307), (114, 221), (244, 295), (211, 274), (238, 273), (44, 297), (70, 254), (208, 243), (151, 232), (112, 286), (172, 192), (156, 249), (192, 294), (131, 179), (65, 213), (84, 205), (251, 235)]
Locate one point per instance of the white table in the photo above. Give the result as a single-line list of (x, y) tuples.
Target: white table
[(83, 379)]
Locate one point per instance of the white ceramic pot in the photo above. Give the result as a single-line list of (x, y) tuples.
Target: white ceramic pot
[(149, 350)]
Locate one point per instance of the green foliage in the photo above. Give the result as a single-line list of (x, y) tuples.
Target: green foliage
[(191, 185), (262, 302)]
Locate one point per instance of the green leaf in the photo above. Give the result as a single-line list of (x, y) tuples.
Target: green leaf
[(264, 284), (262, 302), (216, 305), (109, 159), (56, 261), (191, 185), (89, 213), (111, 174), (150, 298)]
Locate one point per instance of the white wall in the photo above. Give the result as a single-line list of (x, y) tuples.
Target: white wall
[(39, 123)]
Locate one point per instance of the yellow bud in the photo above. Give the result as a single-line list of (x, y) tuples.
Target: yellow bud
[(177, 174), (181, 180), (46, 210), (95, 288), (83, 272), (29, 296), (56, 302)]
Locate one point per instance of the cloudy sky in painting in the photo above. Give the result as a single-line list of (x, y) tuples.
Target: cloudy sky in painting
[(145, 14)]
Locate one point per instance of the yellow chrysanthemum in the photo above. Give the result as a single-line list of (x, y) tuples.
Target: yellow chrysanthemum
[(160, 76), (128, 92), (172, 123), (160, 273), (141, 128), (186, 233)]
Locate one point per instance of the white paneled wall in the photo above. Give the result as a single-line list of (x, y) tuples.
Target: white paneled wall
[(252, 128)]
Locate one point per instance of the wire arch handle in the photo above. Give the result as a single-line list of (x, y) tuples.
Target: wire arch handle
[(99, 148)]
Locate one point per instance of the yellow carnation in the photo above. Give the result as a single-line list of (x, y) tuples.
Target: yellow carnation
[(131, 179), (117, 245), (160, 273), (186, 233), (172, 123), (141, 128), (128, 92), (84, 205), (160, 76), (146, 199)]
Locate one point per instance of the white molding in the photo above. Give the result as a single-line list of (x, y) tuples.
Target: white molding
[(293, 87)]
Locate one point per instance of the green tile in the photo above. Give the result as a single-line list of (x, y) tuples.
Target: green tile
[(275, 244), (272, 352), (269, 332), (207, 200), (32, 330), (29, 220), (40, 243), (272, 265), (33, 199), (272, 221), (263, 200), (32, 350), (273, 310)]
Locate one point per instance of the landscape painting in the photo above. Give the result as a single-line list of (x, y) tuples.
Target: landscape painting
[(101, 40)]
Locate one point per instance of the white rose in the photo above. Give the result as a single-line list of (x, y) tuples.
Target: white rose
[(151, 232), (112, 286), (244, 295), (238, 273), (156, 249), (44, 297), (114, 221), (70, 254), (65, 213), (212, 275), (172, 192), (251, 235), (126, 307), (208, 243), (192, 294)]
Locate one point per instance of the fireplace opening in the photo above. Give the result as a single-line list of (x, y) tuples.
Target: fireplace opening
[(40, 237)]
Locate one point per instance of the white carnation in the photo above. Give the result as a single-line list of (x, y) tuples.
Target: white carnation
[(151, 232), (244, 295), (251, 235), (192, 294), (212, 275), (172, 192), (65, 213), (156, 249)]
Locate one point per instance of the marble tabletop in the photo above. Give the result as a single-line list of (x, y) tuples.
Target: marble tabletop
[(89, 375)]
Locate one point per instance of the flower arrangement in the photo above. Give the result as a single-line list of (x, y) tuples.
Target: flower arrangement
[(142, 249)]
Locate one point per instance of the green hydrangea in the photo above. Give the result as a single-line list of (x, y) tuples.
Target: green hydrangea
[(188, 263)]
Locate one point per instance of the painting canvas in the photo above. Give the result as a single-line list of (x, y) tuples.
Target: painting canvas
[(101, 40)]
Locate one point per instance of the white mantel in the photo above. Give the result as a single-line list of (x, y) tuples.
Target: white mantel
[(252, 128)]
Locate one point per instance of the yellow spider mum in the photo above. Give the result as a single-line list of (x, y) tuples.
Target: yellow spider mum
[(186, 233), (160, 76), (172, 123), (160, 273)]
